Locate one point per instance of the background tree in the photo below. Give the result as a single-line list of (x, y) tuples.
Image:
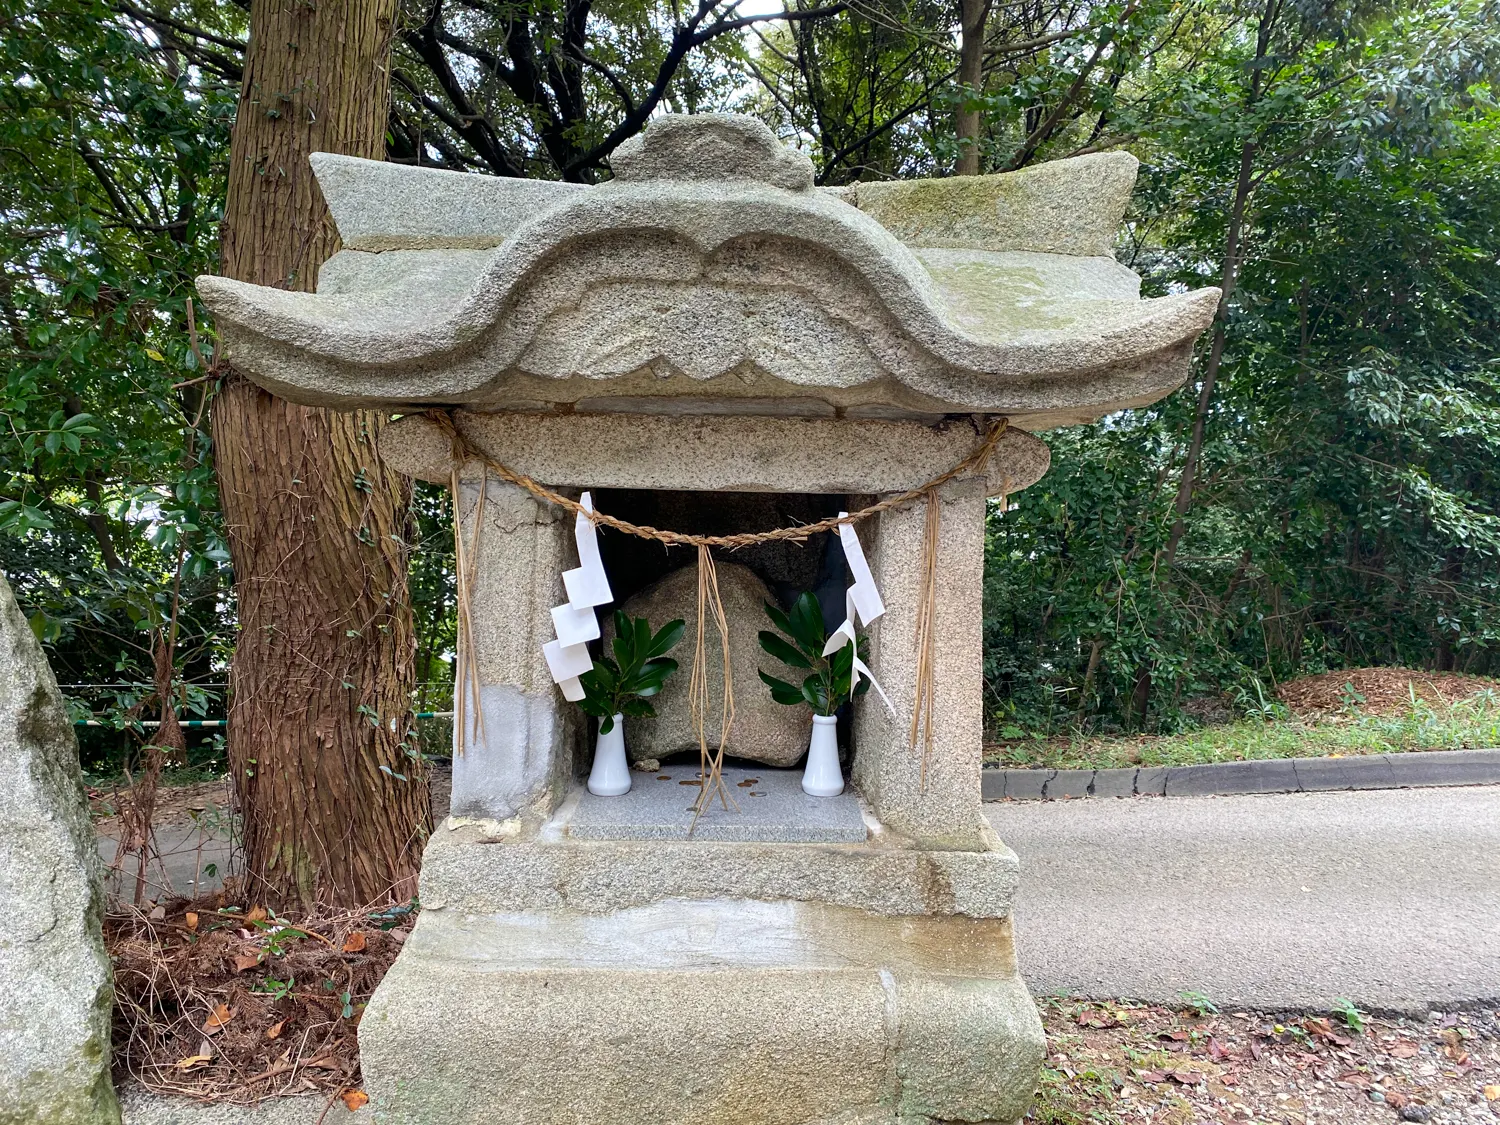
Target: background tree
[(321, 738), (1315, 503), (548, 89)]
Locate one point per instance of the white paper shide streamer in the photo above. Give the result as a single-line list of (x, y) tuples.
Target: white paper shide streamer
[(863, 598), (575, 621)]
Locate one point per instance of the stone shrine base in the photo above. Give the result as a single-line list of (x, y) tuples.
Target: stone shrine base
[(572, 982)]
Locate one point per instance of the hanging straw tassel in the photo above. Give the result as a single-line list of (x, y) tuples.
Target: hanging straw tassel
[(921, 715), (465, 560), (710, 767)]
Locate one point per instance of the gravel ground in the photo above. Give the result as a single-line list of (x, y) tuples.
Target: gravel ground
[(1115, 1064)]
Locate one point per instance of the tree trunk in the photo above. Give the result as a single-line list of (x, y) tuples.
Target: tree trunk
[(972, 17), (334, 808)]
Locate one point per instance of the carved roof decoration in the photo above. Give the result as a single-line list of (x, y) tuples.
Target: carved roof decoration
[(711, 276)]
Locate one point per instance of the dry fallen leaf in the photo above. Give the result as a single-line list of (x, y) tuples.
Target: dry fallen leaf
[(246, 961), (216, 1021), (190, 920), (354, 942), (1492, 1093), (1402, 1049), (193, 1060), (1324, 1030), (353, 1099), (274, 1031), (257, 914)]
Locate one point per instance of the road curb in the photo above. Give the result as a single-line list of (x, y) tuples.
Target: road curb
[(1272, 775)]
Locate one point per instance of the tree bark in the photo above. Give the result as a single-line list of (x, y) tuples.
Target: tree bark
[(973, 15), (324, 667)]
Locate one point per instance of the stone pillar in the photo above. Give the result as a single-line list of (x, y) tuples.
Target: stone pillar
[(55, 991), (520, 761), (943, 812)]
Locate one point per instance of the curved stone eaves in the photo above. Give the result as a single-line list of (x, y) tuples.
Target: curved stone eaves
[(706, 281)]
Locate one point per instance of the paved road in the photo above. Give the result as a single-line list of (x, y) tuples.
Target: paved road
[(1391, 899), (187, 855)]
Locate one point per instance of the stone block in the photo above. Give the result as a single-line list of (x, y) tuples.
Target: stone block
[(704, 448), (465, 871), (725, 276), (1446, 767), (55, 988), (1151, 781), (1070, 207), (1070, 784), (1228, 778), (1114, 783), (704, 1011)]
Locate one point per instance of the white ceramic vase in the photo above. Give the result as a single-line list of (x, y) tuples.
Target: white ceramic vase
[(610, 776), (822, 777)]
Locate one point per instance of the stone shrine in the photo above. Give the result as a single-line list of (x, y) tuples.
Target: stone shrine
[(711, 335)]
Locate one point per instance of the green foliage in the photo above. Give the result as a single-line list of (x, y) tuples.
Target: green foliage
[(625, 685), (827, 686), (1197, 1004), (1353, 1018), (1346, 505), (113, 149)]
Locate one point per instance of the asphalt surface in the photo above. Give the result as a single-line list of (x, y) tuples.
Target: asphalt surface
[(1390, 899)]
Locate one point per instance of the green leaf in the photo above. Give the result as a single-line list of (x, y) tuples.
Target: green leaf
[(666, 639), (611, 687), (806, 622), (815, 691), (782, 651), (778, 619), (781, 691)]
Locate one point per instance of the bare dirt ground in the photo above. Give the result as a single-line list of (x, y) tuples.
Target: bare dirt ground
[(1114, 1064), (1378, 691)]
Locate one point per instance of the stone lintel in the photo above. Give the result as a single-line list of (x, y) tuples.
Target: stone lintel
[(720, 453)]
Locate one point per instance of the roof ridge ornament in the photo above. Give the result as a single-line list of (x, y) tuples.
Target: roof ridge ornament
[(711, 146)]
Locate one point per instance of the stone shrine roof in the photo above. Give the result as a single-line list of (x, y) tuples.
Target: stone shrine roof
[(711, 276)]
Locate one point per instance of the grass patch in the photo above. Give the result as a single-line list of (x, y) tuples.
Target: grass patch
[(1471, 724)]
